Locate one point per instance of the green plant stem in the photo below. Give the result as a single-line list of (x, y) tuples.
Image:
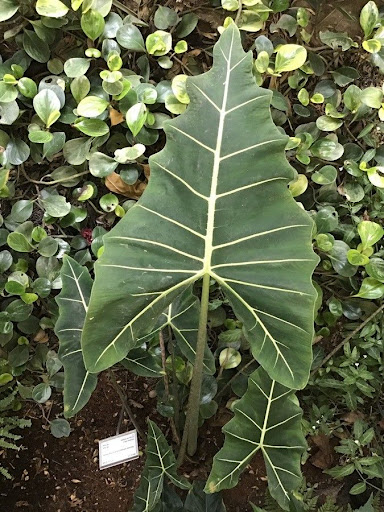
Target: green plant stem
[(175, 391), (367, 482), (55, 182), (192, 419), (183, 446), (239, 11), (166, 385)]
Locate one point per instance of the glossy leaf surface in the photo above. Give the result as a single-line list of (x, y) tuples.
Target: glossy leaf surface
[(217, 203)]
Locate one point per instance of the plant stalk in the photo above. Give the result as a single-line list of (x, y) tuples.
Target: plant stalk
[(175, 390), (192, 419), (166, 385)]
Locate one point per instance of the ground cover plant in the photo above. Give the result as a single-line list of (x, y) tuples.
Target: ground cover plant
[(166, 197)]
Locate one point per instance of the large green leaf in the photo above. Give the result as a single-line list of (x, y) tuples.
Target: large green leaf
[(73, 300), (160, 463), (218, 204), (182, 316), (267, 418), (196, 501)]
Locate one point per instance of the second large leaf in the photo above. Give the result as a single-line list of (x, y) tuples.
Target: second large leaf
[(217, 203)]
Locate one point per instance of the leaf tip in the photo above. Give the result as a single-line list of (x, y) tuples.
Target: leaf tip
[(210, 488)]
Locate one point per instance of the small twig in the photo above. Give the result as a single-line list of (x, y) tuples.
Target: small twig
[(205, 6), (238, 14), (344, 341), (43, 412), (317, 48), (240, 372), (95, 209), (366, 481), (182, 64), (121, 416), (353, 136), (48, 183), (124, 8), (124, 402)]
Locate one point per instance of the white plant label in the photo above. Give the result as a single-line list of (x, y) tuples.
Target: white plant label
[(118, 449)]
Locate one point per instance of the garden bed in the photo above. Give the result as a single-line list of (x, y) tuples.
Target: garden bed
[(111, 91)]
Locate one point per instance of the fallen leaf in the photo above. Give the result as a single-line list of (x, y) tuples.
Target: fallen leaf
[(325, 455), (115, 116), (222, 417), (136, 404), (352, 416), (115, 184), (146, 169), (41, 337)]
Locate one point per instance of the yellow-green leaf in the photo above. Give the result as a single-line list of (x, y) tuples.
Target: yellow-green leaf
[(290, 57), (51, 8)]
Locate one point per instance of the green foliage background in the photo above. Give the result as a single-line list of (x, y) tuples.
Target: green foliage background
[(84, 93)]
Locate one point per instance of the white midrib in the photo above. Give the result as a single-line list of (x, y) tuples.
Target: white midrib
[(260, 444), (77, 281), (267, 412), (215, 173)]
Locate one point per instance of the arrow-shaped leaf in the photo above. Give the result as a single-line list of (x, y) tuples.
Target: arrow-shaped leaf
[(160, 464), (217, 204), (73, 302), (267, 418)]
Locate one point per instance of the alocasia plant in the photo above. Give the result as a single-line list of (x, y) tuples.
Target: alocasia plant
[(217, 207), (159, 465), (181, 317)]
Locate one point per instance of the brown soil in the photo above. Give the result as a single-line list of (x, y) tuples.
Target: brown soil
[(60, 475)]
